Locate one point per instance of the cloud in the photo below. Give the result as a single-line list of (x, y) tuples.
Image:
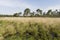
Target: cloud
[(10, 3), (12, 6), (17, 3), (54, 7)]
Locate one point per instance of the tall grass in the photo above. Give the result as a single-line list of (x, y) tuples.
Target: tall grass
[(11, 30)]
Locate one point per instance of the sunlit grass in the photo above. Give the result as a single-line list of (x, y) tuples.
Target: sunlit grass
[(29, 30)]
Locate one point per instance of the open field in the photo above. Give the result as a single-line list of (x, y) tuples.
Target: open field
[(27, 28), (45, 20), (27, 19)]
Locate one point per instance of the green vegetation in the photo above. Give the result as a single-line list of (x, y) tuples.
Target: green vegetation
[(10, 30), (38, 13)]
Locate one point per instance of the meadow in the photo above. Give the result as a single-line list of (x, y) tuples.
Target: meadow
[(29, 28)]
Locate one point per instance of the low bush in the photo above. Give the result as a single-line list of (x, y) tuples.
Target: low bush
[(28, 31)]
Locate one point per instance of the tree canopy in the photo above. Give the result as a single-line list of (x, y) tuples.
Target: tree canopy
[(38, 13)]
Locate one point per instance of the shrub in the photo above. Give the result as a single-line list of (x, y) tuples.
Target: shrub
[(29, 31)]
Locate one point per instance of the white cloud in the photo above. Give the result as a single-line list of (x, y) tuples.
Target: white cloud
[(10, 3), (17, 4), (6, 6), (54, 7)]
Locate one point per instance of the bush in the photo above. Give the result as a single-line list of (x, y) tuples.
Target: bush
[(28, 31)]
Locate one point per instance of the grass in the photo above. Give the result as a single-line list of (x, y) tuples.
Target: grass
[(29, 28)]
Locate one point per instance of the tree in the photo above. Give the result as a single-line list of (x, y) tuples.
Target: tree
[(55, 13), (37, 15), (39, 11), (49, 13), (32, 14), (15, 14), (59, 13), (26, 12), (44, 14), (20, 13)]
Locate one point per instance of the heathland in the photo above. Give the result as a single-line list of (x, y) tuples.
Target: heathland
[(29, 28)]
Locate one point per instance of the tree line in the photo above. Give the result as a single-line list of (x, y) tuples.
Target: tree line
[(39, 13)]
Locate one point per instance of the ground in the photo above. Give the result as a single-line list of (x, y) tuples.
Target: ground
[(30, 19)]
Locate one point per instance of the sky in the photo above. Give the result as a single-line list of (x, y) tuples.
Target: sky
[(12, 6)]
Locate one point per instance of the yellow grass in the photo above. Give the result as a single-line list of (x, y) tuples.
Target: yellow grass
[(32, 19), (33, 25)]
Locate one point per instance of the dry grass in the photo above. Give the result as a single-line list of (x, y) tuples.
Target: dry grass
[(34, 26), (27, 19), (33, 19)]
